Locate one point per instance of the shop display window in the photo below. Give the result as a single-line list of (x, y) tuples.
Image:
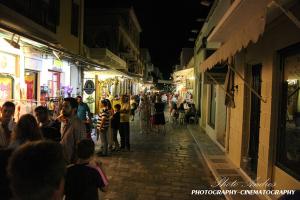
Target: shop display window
[(53, 84), (6, 87), (288, 152)]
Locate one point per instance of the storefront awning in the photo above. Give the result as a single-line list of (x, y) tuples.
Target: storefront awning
[(243, 23)]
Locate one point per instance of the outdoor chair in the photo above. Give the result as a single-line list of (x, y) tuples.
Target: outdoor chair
[(194, 118)]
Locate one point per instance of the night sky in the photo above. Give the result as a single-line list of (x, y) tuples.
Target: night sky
[(166, 27)]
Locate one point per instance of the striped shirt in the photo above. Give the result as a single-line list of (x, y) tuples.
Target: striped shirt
[(102, 115)]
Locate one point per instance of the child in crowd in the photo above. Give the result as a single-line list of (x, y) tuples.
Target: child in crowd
[(103, 127), (115, 125), (83, 179), (133, 107)]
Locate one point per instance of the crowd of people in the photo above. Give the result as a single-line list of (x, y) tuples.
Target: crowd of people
[(43, 142), (182, 112), (67, 137)]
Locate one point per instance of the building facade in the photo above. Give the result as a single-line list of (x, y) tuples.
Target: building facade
[(45, 39), (260, 120)]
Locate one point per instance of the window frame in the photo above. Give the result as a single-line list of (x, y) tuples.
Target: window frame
[(75, 15), (213, 94), (281, 134)]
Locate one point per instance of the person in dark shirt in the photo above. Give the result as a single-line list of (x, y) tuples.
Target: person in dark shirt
[(159, 112), (26, 130), (159, 116), (49, 128), (82, 179), (115, 126), (84, 114), (36, 171)]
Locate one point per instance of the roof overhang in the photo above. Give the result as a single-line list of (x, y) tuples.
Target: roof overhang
[(184, 72), (107, 58), (15, 22), (243, 23)]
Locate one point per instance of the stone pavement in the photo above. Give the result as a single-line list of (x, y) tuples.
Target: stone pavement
[(220, 166), (159, 167)]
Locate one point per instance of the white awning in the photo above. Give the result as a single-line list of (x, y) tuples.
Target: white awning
[(243, 23)]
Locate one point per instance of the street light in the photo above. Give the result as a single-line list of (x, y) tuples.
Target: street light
[(200, 20), (205, 2)]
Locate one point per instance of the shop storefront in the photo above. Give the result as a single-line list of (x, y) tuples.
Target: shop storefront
[(55, 79), (103, 84), (33, 67), (9, 71), (184, 82)]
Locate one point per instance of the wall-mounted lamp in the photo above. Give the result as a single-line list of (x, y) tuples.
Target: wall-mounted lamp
[(235, 88)]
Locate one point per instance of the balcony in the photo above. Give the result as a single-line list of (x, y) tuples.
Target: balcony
[(107, 58)]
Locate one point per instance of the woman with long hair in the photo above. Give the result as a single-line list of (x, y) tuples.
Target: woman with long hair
[(159, 117), (27, 129)]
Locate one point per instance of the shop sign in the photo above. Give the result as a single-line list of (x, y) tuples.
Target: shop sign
[(7, 63), (89, 87), (189, 84), (57, 65), (33, 64)]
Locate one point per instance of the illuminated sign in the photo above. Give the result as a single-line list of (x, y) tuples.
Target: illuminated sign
[(57, 65)]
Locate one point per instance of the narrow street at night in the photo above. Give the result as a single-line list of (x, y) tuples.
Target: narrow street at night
[(149, 100)]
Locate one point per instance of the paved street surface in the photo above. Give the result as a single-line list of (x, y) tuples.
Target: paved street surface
[(159, 167)]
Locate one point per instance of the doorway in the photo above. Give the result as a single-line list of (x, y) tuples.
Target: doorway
[(255, 105), (251, 122), (31, 79), (54, 84)]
